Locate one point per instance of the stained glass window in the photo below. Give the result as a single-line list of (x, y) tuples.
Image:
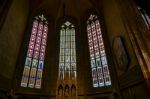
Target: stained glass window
[(33, 69), (99, 65), (145, 16), (67, 55)]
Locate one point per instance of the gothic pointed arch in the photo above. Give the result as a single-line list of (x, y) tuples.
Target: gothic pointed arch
[(60, 91), (97, 51), (73, 92), (67, 71), (34, 63)]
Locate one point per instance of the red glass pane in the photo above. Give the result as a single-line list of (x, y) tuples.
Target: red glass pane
[(89, 32), (44, 35), (96, 46), (91, 47), (36, 54), (43, 49), (88, 27), (91, 44), (42, 56), (94, 36), (101, 44), (99, 35), (34, 30), (32, 39), (98, 30), (40, 26), (35, 24), (31, 45), (90, 41), (37, 47), (90, 38), (100, 40), (30, 52), (43, 42), (39, 33), (38, 40), (97, 52), (45, 28)]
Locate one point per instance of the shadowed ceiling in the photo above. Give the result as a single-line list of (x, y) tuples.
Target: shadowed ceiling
[(55, 8), (75, 8)]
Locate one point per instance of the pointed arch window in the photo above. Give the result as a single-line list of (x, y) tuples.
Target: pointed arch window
[(33, 68), (67, 55), (99, 65)]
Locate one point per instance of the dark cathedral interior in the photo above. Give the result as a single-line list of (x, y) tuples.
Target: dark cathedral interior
[(74, 49)]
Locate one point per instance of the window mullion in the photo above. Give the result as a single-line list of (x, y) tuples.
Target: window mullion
[(99, 68), (95, 67)]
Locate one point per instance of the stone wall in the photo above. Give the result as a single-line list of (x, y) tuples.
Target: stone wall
[(11, 34)]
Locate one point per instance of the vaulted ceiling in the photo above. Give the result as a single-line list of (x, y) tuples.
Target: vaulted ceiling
[(74, 8), (55, 8)]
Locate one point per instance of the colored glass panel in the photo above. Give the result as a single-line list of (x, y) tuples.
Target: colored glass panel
[(32, 74), (99, 65), (67, 54)]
